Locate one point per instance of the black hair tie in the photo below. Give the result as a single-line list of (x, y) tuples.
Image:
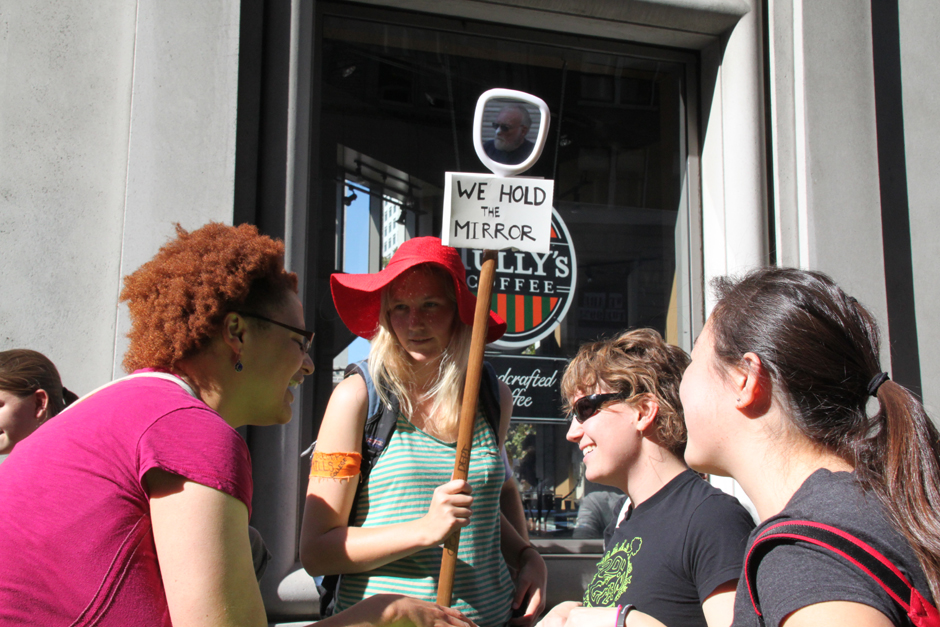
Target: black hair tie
[(68, 396), (876, 382)]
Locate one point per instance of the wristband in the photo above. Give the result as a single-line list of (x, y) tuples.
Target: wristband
[(622, 611)]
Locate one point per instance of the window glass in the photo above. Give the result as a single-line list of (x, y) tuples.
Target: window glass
[(397, 112), (352, 256)]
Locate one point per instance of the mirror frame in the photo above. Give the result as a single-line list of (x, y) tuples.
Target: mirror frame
[(503, 169)]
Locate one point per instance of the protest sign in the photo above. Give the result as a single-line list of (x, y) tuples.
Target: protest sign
[(494, 213)]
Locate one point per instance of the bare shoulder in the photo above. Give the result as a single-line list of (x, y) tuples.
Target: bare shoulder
[(345, 417), (505, 394), (351, 393)]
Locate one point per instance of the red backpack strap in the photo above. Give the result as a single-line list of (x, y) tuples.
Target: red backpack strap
[(855, 551)]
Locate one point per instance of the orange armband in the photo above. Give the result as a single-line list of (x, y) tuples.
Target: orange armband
[(335, 465)]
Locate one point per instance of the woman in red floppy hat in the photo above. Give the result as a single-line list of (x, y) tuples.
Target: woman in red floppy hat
[(418, 313)]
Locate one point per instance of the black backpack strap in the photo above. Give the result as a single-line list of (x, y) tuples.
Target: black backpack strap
[(379, 425), (855, 551)]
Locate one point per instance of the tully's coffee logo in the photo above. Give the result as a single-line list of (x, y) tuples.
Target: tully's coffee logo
[(532, 291)]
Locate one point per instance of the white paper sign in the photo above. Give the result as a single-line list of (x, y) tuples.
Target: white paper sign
[(494, 212)]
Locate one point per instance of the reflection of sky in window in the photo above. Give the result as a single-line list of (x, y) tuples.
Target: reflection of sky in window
[(356, 255), (356, 244)]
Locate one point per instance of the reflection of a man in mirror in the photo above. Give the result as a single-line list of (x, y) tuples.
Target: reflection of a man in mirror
[(510, 145)]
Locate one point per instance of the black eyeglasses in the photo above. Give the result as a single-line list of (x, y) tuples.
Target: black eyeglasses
[(587, 406), (307, 335), (503, 127)]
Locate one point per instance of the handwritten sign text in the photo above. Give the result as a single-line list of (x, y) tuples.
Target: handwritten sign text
[(489, 212)]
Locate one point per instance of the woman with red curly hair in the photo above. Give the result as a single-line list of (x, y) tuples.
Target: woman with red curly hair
[(132, 507)]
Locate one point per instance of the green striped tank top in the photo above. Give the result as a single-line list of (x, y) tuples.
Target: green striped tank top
[(400, 489)]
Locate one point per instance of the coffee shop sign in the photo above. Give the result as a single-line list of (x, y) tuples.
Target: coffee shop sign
[(535, 384), (520, 384), (532, 291), (524, 266)]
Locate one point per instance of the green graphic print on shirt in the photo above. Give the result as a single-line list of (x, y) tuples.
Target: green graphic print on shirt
[(613, 575)]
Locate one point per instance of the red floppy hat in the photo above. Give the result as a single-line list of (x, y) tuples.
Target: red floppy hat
[(358, 297)]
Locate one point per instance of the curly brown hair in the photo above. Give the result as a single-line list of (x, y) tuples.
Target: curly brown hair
[(636, 363), (178, 299)]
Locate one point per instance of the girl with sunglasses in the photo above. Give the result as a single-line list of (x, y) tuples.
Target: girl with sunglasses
[(675, 557), (132, 506), (778, 397)]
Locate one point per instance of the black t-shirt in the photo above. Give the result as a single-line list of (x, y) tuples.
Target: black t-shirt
[(672, 551), (792, 576)]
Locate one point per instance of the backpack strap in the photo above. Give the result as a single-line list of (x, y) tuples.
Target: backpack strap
[(362, 369), (378, 428), (855, 551)]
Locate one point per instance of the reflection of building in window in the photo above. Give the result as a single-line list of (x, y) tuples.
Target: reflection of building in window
[(393, 233)]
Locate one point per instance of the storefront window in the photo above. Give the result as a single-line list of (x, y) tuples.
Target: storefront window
[(397, 102)]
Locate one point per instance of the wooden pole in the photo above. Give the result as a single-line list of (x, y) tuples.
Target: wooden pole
[(468, 412)]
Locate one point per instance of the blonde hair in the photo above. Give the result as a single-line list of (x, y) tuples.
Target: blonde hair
[(392, 371)]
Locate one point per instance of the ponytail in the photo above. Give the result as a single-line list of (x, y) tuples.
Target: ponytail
[(820, 348), (900, 466), (68, 396)]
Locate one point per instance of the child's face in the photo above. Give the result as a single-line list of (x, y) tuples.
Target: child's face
[(19, 417)]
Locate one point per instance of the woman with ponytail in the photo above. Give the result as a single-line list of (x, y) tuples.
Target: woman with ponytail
[(30, 394), (777, 397)]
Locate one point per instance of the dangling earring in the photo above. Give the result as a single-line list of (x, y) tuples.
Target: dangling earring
[(238, 365)]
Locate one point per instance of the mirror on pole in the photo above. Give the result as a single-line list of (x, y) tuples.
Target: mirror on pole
[(509, 130)]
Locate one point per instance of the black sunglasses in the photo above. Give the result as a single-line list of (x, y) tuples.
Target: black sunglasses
[(307, 335), (587, 406), (504, 127)]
